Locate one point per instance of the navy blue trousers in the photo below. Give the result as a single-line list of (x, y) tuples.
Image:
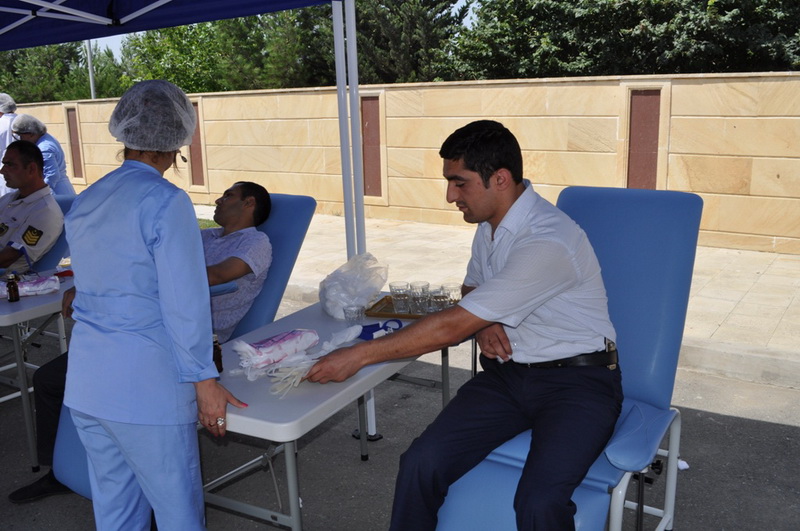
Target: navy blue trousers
[(572, 412)]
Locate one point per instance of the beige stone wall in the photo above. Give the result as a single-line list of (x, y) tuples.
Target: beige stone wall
[(733, 139)]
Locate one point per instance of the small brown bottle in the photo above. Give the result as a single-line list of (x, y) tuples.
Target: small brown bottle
[(12, 288), (217, 354)]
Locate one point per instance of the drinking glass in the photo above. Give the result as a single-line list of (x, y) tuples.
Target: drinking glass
[(399, 296), (453, 291), (420, 297)]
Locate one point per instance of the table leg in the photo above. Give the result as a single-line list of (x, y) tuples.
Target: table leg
[(62, 334), (25, 397), (372, 422), (290, 454), (362, 423)]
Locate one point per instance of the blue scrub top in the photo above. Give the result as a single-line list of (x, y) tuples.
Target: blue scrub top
[(142, 330), (55, 165)]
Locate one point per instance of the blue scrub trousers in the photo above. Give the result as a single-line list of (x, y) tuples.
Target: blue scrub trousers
[(572, 412), (135, 467)]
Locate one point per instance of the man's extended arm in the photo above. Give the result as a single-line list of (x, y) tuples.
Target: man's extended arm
[(229, 269), (431, 333)]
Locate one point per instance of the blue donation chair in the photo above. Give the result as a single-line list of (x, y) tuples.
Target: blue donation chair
[(286, 227), (60, 249), (645, 241)]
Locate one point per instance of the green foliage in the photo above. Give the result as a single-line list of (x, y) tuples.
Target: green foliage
[(404, 42), (36, 74), (207, 223), (59, 72), (539, 38), (427, 40), (189, 56), (109, 78), (398, 42)]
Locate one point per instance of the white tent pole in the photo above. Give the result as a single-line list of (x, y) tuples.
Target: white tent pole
[(358, 167), (355, 124), (344, 134)]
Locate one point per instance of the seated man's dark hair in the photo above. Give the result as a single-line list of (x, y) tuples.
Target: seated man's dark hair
[(28, 153), (260, 194), (485, 146)]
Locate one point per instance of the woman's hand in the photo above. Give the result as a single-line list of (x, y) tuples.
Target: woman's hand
[(66, 302), (212, 402)]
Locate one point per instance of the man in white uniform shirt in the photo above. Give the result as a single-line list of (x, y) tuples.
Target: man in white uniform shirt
[(30, 219), (535, 300)]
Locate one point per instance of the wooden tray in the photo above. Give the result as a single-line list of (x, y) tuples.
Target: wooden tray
[(385, 309)]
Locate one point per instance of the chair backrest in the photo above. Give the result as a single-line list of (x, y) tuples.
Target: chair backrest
[(60, 249), (70, 464), (286, 227), (645, 241)]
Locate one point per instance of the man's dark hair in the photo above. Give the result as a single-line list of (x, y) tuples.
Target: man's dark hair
[(485, 146), (261, 196), (28, 153)]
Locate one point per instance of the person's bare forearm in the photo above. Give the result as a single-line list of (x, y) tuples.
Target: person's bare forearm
[(435, 332), (429, 334)]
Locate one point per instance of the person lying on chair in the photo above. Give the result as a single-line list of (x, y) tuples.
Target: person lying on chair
[(235, 251), (535, 300), (30, 219)]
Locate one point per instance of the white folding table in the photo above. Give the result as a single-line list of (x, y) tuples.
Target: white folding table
[(305, 407), (13, 315)]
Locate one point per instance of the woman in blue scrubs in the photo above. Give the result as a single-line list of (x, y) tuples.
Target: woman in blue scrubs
[(140, 370)]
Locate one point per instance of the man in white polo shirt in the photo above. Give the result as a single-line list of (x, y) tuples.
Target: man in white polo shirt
[(535, 300)]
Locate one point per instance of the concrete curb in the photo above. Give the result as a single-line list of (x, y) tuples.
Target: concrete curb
[(761, 365)]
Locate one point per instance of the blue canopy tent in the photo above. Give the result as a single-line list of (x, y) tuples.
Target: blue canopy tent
[(27, 23)]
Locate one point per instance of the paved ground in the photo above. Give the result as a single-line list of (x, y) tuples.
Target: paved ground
[(741, 439)]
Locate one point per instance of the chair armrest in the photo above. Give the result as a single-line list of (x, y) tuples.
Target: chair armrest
[(638, 436), (222, 289)]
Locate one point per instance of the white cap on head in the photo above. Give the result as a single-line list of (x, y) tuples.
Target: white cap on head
[(7, 103), (25, 123), (153, 116)]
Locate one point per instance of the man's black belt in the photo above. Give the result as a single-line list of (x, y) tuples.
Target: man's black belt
[(607, 358)]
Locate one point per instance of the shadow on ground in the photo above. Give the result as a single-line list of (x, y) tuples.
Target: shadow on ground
[(742, 475)]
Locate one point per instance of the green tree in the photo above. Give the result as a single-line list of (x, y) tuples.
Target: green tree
[(403, 42), (110, 80), (37, 74), (538, 38), (398, 42), (189, 56), (299, 48)]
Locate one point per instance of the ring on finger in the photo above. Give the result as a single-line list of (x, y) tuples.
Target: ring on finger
[(220, 421)]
